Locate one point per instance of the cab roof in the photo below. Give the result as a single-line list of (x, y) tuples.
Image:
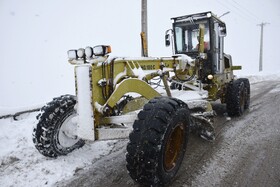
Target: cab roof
[(197, 16)]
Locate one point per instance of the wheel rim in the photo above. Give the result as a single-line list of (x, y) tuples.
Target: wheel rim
[(66, 136), (173, 147)]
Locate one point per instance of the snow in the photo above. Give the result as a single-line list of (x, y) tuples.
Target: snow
[(256, 130), (85, 118), (119, 76), (137, 70), (185, 95), (13, 110), (275, 90), (184, 60), (263, 76), (22, 165)]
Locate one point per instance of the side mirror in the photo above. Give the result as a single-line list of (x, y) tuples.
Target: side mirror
[(223, 31), (167, 40)]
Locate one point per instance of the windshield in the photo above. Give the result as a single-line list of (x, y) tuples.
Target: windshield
[(187, 36)]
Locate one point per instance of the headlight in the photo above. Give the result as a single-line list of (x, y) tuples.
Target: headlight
[(89, 52), (81, 53), (72, 54), (210, 77), (98, 50), (101, 50), (76, 56)]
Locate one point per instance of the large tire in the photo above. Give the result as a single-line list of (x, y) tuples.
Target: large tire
[(158, 141), (236, 98), (53, 134), (247, 92)]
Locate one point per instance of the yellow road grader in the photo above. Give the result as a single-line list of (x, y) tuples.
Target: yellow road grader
[(155, 102)]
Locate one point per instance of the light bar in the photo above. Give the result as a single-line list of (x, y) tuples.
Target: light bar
[(82, 55)]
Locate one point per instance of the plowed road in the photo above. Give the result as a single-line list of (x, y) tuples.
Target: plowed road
[(246, 151)]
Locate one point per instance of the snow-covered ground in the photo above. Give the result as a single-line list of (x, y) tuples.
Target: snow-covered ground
[(22, 165), (263, 77), (5, 111)]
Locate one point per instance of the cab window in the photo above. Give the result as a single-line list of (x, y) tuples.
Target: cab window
[(187, 37)]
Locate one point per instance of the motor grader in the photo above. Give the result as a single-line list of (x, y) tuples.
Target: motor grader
[(155, 102)]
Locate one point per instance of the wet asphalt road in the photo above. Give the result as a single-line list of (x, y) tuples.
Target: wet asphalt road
[(246, 151)]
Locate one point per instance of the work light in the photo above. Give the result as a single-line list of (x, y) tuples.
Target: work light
[(101, 50), (89, 52), (81, 53), (72, 54)]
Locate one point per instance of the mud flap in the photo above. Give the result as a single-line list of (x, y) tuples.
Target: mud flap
[(203, 125), (202, 119)]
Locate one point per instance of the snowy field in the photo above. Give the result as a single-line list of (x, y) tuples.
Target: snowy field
[(22, 165)]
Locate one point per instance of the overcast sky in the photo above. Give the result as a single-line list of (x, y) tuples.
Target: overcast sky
[(36, 34)]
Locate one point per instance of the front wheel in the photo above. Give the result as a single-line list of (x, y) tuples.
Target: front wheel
[(158, 141), (54, 134)]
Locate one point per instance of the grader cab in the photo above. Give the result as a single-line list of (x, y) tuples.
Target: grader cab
[(155, 102)]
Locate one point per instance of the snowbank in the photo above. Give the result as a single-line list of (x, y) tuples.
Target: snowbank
[(262, 76), (5, 111)]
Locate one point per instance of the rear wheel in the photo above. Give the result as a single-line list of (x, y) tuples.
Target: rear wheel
[(236, 98), (158, 141), (248, 92), (54, 134)]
